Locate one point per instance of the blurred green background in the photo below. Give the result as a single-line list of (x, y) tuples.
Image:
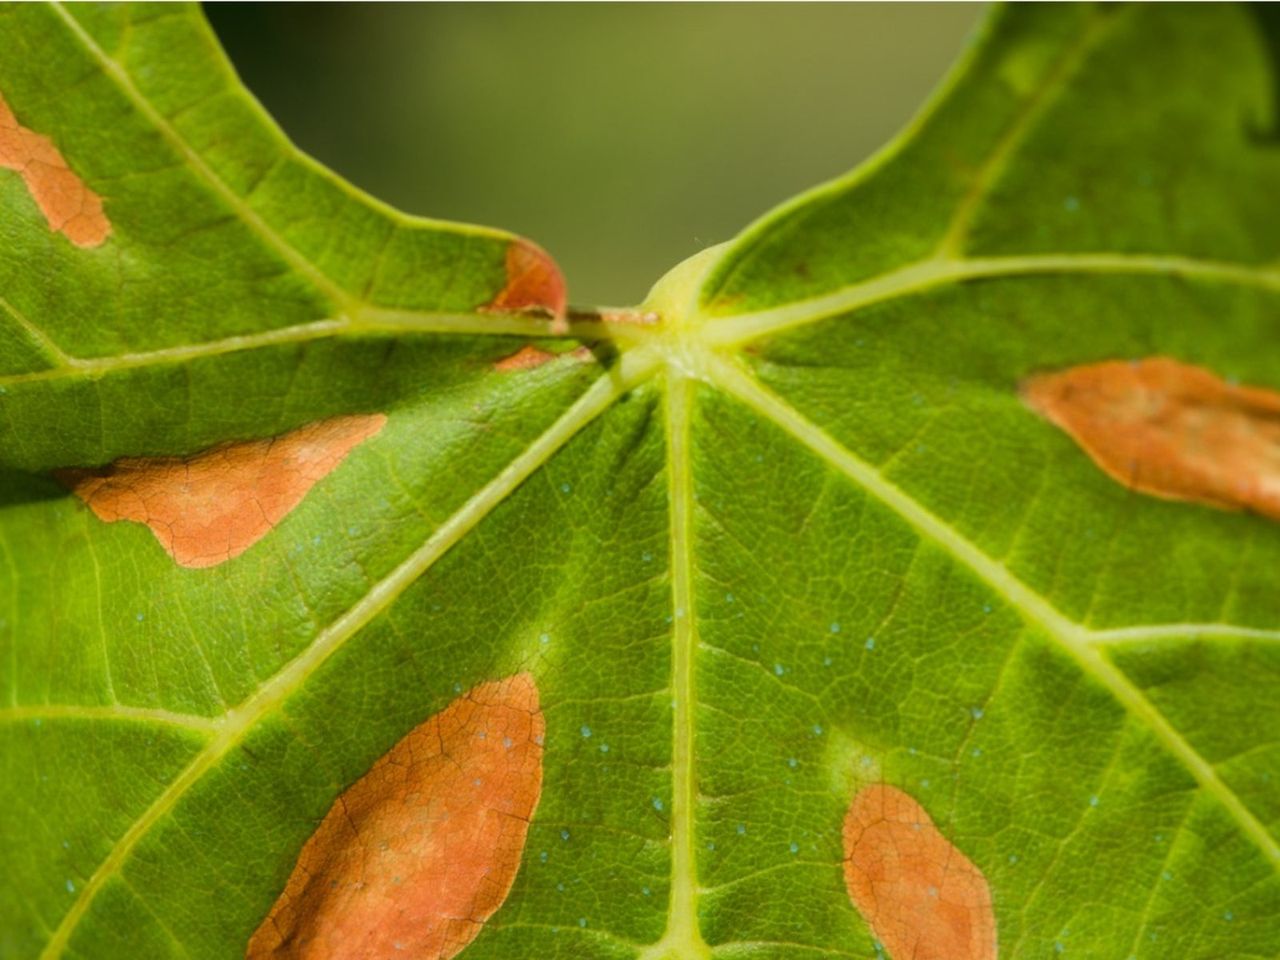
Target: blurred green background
[(623, 138)]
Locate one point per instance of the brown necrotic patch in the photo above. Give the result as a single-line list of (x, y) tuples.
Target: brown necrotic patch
[(534, 282), (210, 507), (419, 852), (1170, 429), (529, 357), (68, 205), (922, 897)]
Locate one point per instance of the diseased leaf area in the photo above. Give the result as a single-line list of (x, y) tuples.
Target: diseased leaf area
[(898, 581)]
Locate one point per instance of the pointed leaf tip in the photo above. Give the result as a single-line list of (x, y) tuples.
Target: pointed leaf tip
[(534, 282), (922, 897), (417, 854)]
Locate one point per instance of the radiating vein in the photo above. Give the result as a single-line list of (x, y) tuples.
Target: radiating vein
[(1006, 147), (53, 353), (1072, 637), (682, 938), (937, 272), (355, 314), (1180, 631), (26, 713), (239, 721), (369, 323), (120, 77)]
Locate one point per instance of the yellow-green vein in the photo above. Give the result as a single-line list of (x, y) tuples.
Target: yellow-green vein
[(1073, 638)]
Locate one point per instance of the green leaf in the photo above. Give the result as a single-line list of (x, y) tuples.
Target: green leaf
[(796, 535)]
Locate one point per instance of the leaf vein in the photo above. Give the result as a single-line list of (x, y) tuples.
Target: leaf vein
[(1072, 637)]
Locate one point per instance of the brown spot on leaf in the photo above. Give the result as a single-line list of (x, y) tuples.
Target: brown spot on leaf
[(922, 897), (534, 282), (210, 507), (68, 205), (529, 356), (419, 852), (1170, 429)]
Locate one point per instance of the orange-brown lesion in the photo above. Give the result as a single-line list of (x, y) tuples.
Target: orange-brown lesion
[(210, 507), (922, 897), (68, 205), (529, 357), (418, 853), (1170, 429), (534, 282)]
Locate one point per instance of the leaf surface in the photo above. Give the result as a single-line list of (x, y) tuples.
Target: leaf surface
[(786, 536)]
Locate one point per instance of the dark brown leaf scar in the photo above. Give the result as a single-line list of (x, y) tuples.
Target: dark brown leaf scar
[(212, 506), (68, 205), (1169, 429), (417, 854), (534, 282), (922, 897)]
